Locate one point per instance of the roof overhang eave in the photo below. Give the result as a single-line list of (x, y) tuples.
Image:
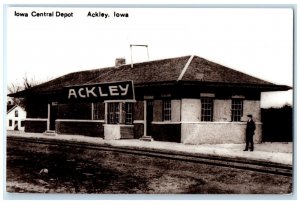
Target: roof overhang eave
[(260, 87), (17, 94)]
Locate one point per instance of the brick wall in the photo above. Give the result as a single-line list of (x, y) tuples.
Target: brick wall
[(127, 132), (37, 110), (157, 110), (166, 132), (101, 111), (75, 111), (138, 130), (35, 126), (138, 110), (88, 128)]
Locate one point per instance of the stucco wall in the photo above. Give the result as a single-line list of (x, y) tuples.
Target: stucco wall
[(116, 132), (112, 132), (190, 110), (175, 110), (221, 130), (252, 107), (216, 133), (222, 110)]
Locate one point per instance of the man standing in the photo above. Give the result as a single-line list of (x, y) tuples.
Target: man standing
[(249, 133)]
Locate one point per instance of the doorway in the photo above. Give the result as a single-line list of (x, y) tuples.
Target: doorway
[(16, 125), (53, 115), (149, 117)]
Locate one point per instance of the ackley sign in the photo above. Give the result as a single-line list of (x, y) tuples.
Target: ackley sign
[(100, 92)]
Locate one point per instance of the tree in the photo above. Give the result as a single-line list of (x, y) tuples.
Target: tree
[(14, 88), (277, 124)]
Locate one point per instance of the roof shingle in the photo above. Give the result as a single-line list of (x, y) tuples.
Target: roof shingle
[(159, 71), (203, 70)]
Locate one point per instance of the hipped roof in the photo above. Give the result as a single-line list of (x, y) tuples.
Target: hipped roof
[(186, 69)]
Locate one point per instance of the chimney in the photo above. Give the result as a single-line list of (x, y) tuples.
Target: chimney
[(120, 61)]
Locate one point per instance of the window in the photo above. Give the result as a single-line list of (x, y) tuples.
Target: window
[(128, 113), (10, 123), (113, 111), (236, 109), (16, 113), (22, 123), (206, 109), (167, 110), (97, 111)]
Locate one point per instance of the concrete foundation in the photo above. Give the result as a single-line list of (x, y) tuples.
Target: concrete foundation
[(116, 132), (217, 133)]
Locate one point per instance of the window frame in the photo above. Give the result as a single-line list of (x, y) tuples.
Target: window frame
[(237, 105), (120, 113), (167, 110), (96, 111), (128, 113), (207, 109), (113, 113)]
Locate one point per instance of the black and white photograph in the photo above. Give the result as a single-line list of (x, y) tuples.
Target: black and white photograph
[(149, 100)]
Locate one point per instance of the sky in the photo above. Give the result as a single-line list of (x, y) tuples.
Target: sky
[(258, 42)]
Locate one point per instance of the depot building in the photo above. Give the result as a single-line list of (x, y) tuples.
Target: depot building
[(185, 99)]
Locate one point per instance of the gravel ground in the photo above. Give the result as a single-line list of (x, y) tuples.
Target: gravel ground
[(40, 168)]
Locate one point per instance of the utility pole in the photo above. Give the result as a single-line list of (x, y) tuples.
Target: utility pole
[(131, 45)]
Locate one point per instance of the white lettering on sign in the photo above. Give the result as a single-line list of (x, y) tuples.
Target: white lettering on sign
[(124, 90), (72, 93), (91, 91), (101, 93), (114, 90), (80, 93)]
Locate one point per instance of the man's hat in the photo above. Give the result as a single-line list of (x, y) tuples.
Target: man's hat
[(249, 115)]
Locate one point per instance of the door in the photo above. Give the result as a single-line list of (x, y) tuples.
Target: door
[(149, 117), (16, 125), (53, 115)]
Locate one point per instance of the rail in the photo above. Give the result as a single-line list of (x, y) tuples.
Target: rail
[(238, 163)]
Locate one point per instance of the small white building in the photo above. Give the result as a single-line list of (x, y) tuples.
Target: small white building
[(16, 118)]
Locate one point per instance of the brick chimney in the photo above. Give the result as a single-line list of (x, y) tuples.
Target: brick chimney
[(120, 61)]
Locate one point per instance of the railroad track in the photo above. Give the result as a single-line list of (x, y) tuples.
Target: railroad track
[(238, 163)]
